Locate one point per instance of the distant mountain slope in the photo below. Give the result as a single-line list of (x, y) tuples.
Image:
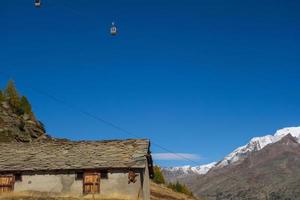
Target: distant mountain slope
[(271, 173), (267, 166), (255, 144), (174, 173)]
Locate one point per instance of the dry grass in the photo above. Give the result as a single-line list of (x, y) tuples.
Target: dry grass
[(52, 196), (158, 192)]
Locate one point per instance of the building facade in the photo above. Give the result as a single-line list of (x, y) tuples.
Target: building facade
[(117, 168)]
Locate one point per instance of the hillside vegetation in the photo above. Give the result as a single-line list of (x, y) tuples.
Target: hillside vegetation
[(161, 192), (18, 104), (176, 187), (17, 120)]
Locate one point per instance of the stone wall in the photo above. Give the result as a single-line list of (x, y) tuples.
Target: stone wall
[(146, 183), (116, 184), (54, 183)]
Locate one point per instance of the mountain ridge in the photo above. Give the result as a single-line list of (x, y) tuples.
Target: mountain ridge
[(265, 168), (271, 173), (255, 144)]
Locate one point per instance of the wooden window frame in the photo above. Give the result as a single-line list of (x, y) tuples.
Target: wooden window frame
[(97, 184), (10, 186)]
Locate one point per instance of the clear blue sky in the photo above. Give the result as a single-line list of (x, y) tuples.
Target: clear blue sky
[(197, 77)]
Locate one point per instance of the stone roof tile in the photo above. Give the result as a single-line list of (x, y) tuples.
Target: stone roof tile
[(63, 155)]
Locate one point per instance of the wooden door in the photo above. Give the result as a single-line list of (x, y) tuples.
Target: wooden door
[(91, 183), (7, 183)]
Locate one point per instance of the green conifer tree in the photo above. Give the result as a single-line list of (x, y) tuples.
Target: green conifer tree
[(25, 106), (178, 187), (158, 176), (13, 96)]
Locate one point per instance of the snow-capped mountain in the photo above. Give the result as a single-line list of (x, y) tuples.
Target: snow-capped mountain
[(172, 174), (255, 144), (272, 170), (202, 169)]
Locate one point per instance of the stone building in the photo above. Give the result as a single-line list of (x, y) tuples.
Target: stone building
[(117, 168)]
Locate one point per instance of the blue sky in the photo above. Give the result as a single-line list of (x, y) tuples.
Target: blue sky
[(196, 77)]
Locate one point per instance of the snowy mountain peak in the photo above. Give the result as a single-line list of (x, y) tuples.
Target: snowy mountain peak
[(203, 169), (294, 131), (187, 169), (255, 144)]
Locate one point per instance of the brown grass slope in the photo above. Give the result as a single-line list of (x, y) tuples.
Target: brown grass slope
[(160, 192)]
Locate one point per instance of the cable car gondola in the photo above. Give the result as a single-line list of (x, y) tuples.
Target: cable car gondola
[(113, 29), (37, 3)]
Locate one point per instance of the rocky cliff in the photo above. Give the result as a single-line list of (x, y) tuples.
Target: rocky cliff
[(19, 128)]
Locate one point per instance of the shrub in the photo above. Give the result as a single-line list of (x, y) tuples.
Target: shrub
[(177, 187), (158, 176)]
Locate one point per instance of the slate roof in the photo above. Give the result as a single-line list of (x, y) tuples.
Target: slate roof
[(62, 155)]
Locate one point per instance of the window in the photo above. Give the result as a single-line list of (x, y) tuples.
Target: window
[(91, 183), (79, 176), (18, 177), (6, 183), (104, 174)]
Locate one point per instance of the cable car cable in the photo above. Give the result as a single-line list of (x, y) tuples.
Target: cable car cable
[(100, 119)]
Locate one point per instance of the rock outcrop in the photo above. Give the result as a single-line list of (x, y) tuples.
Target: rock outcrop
[(19, 128)]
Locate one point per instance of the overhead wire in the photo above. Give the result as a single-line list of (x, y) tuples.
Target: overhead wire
[(100, 119), (96, 117)]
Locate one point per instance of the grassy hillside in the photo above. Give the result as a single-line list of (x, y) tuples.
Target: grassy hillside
[(160, 192)]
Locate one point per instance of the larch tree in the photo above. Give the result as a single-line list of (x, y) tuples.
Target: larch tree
[(25, 106), (158, 175), (13, 96)]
